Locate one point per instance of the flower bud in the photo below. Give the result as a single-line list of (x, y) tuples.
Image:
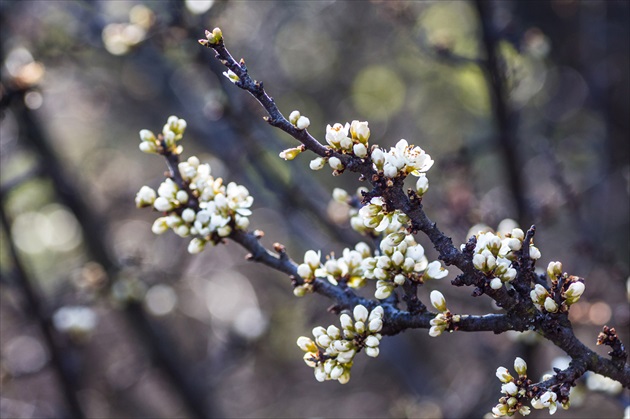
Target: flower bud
[(534, 253), (479, 261), (435, 331), (148, 147), (146, 135), (375, 325), (312, 258), (554, 269), (503, 375), (304, 271), (336, 372), (306, 344), (438, 301), (303, 123), (377, 313), (422, 185), (574, 292), (390, 170), (400, 279), (360, 131), (435, 270), (182, 196), (188, 215), (514, 244), (360, 150), (159, 226), (317, 163), (360, 313), (378, 157), (333, 332), (145, 197), (335, 163), (196, 245), (383, 292), (182, 230), (372, 341), (496, 283), (550, 305), (323, 340), (231, 76), (300, 291), (346, 321), (520, 366), (509, 388), (294, 116), (290, 153), (318, 331), (162, 204), (372, 351)]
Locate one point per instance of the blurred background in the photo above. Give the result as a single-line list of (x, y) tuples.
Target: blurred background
[(100, 318)]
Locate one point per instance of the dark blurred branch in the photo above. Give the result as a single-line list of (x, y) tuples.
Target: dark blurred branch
[(506, 138), (196, 399), (67, 379)]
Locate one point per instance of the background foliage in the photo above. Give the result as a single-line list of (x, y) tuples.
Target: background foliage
[(84, 77)]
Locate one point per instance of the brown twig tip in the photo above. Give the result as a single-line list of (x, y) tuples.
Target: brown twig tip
[(608, 336), (259, 234), (279, 248)]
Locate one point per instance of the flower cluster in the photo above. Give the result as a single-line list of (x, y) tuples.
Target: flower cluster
[(514, 390), (376, 216), (444, 320), (494, 254), (401, 259), (201, 206), (332, 352), (402, 160), (348, 268), (565, 290), (346, 139), (166, 142)]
